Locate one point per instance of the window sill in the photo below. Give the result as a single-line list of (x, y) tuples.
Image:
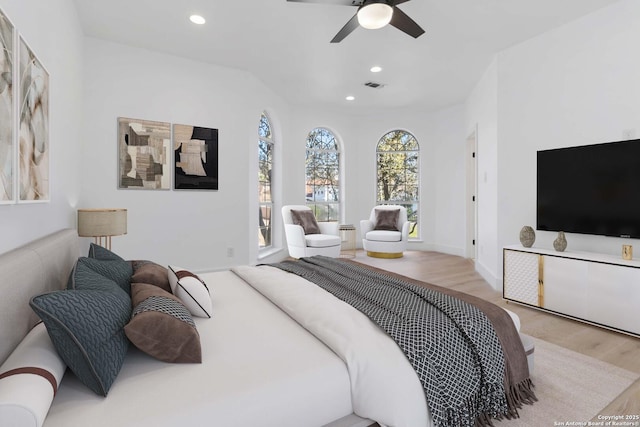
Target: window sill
[(266, 253)]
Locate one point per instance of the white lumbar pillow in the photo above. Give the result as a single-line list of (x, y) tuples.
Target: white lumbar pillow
[(191, 290), (29, 379)]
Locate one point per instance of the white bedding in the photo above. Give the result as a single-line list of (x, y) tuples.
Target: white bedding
[(384, 385), (259, 369)]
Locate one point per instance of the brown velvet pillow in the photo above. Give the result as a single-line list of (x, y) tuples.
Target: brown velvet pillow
[(151, 273), (387, 219), (161, 326), (306, 220)]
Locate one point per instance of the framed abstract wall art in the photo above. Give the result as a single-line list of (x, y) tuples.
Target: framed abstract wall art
[(33, 127), (195, 158), (7, 115), (143, 153)]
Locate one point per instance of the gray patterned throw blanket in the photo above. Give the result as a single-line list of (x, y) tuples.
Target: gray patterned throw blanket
[(467, 377)]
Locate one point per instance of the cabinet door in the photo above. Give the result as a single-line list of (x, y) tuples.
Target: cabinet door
[(614, 296), (565, 286), (521, 276)]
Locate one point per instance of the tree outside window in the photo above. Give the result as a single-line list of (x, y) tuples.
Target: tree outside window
[(398, 180), (265, 168), (322, 170)]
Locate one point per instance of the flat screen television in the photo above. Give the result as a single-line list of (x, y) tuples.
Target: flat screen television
[(591, 189)]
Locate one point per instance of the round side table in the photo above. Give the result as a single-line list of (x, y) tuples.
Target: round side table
[(348, 238)]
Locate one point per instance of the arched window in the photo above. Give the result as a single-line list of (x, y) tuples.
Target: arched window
[(398, 177), (322, 171), (265, 168)]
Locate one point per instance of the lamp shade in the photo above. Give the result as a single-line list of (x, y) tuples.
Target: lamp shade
[(102, 222), (374, 15)]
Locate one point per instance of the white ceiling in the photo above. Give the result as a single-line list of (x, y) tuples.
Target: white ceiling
[(286, 45)]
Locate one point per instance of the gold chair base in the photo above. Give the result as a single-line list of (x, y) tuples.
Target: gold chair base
[(385, 255)]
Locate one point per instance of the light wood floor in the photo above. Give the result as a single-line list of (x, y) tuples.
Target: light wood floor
[(459, 273)]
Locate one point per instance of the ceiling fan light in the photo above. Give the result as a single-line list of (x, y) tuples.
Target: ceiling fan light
[(374, 15)]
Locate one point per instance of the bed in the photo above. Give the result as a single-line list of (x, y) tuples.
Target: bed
[(259, 366)]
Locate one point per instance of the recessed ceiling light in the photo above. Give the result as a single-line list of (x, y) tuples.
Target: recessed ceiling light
[(197, 19), (376, 69), (350, 98)]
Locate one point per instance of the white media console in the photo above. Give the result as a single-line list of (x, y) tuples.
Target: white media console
[(600, 289)]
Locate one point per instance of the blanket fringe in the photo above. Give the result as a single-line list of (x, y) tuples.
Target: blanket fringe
[(478, 409), (519, 394), (482, 415)]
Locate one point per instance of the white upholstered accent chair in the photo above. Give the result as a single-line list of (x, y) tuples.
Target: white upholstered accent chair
[(382, 239), (326, 243)]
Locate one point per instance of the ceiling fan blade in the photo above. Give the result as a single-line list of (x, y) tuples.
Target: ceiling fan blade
[(334, 2), (401, 21), (397, 2), (346, 30)]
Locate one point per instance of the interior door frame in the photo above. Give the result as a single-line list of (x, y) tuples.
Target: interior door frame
[(471, 162)]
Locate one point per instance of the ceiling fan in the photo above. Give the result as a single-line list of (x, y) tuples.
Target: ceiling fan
[(373, 14)]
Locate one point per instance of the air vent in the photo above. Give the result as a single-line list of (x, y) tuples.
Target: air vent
[(374, 85)]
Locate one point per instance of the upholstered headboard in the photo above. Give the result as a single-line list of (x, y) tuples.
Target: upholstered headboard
[(37, 267)]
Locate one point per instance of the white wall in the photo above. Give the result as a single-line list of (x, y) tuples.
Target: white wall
[(575, 85), (448, 161), (482, 117), (52, 30), (441, 137), (192, 229)]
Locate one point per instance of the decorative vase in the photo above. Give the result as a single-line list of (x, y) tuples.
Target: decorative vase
[(527, 236), (560, 244)]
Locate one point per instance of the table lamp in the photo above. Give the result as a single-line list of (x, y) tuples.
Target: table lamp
[(102, 224)]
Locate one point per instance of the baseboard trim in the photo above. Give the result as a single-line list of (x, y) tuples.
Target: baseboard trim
[(488, 276)]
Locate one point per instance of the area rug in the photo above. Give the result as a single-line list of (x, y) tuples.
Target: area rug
[(572, 388)]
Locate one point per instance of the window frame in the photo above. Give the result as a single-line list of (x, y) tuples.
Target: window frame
[(270, 142), (338, 166), (413, 214)]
